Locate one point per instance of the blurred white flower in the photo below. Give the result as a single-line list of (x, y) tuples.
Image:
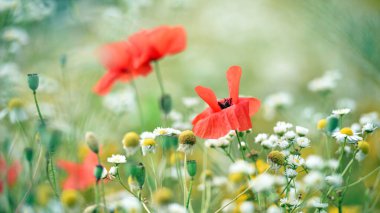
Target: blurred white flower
[(314, 162), (182, 125), (241, 166), (124, 201), (335, 180), (316, 203), (146, 135), (274, 209), (341, 112), (289, 202), (7, 4), (283, 144), (275, 102), (217, 143), (332, 164), (112, 172), (360, 156), (166, 131), (346, 103), (176, 208), (246, 207), (175, 116), (190, 102), (281, 127), (268, 144), (10, 71), (313, 179), (326, 83), (15, 110), (117, 159), (371, 117), (356, 127), (120, 101), (290, 173), (369, 128), (263, 182), (16, 34), (261, 137), (290, 135)]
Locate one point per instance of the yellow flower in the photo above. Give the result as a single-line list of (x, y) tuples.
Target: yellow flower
[(261, 166), (187, 137), (131, 139), (148, 142), (43, 194), (70, 198), (322, 123), (163, 196), (364, 146), (236, 177)]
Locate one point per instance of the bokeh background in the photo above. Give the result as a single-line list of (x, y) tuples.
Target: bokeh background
[(281, 46)]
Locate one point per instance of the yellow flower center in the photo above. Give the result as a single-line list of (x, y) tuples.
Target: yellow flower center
[(131, 139), (162, 132), (347, 131), (322, 124), (15, 103), (364, 146), (148, 142)]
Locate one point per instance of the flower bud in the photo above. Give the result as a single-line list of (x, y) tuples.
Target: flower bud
[(332, 123), (92, 142), (277, 157), (98, 172), (363, 146), (28, 154), (33, 81), (166, 103), (131, 139), (138, 172), (192, 167)]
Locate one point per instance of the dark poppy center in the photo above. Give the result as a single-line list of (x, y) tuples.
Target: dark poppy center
[(225, 103)]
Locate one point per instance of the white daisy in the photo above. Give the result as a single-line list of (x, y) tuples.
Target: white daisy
[(347, 134), (146, 135), (281, 127), (303, 142), (241, 166), (371, 117), (261, 137), (314, 162), (268, 144), (316, 203), (222, 142), (313, 179), (263, 182), (290, 135), (117, 159), (290, 173), (283, 144), (112, 172), (341, 112), (301, 131), (165, 131), (246, 207), (360, 156), (332, 164), (325, 83), (190, 102), (295, 160), (148, 145), (368, 128)]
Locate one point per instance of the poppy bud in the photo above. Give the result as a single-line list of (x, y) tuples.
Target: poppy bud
[(277, 157), (92, 142), (138, 172), (332, 123), (98, 172), (28, 154), (33, 81), (166, 103), (192, 167)]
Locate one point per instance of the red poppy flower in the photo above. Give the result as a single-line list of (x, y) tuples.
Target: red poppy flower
[(11, 173), (128, 59), (80, 175), (227, 114)]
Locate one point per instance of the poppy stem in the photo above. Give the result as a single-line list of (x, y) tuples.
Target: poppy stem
[(138, 103), (159, 78), (240, 147), (38, 108)]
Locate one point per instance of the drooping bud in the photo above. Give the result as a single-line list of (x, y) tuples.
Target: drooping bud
[(332, 123), (277, 157), (92, 142), (166, 103), (191, 167), (98, 172), (33, 81), (28, 154)]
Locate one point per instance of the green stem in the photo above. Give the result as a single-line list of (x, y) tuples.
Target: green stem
[(184, 180), (231, 201), (159, 78), (189, 194), (362, 178), (139, 106), (38, 108), (228, 155), (124, 186), (154, 171), (240, 147)]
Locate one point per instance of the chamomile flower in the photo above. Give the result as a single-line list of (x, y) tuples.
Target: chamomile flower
[(288, 202), (222, 142), (112, 172), (335, 180), (290, 135), (166, 131), (15, 111), (283, 144), (290, 173), (131, 143), (325, 83), (368, 128), (241, 166), (295, 160), (268, 144), (341, 112), (246, 207), (261, 137), (347, 134), (282, 127), (117, 159), (186, 141), (146, 135), (148, 145), (301, 131), (303, 142), (263, 182), (316, 203), (332, 164), (371, 117), (313, 179)]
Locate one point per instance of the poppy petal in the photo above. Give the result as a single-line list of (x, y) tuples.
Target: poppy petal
[(209, 97), (254, 105), (233, 78), (167, 40), (104, 85), (202, 115)]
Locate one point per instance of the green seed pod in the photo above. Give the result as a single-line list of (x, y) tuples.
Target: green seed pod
[(332, 123), (138, 172), (29, 154), (166, 103), (33, 81), (192, 167), (98, 172)]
